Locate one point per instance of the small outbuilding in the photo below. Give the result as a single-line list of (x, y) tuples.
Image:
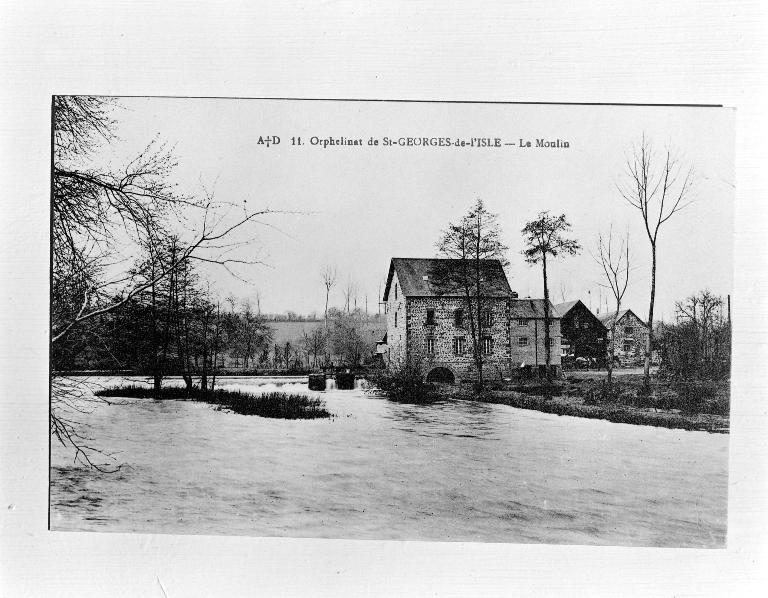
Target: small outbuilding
[(585, 337)]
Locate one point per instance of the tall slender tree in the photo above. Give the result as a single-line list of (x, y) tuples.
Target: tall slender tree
[(472, 240), (545, 236), (329, 277), (613, 257), (658, 186)]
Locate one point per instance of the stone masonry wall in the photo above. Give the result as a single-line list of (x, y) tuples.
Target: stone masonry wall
[(636, 355), (412, 332), (396, 335), (445, 330)]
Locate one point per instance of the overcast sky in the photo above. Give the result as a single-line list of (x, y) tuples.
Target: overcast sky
[(363, 205)]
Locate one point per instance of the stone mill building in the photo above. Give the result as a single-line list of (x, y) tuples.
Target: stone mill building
[(427, 316)]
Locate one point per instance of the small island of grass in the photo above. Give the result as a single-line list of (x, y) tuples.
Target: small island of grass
[(279, 405)]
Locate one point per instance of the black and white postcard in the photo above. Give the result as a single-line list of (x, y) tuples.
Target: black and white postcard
[(390, 320)]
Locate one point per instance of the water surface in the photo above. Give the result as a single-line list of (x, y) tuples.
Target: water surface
[(454, 470)]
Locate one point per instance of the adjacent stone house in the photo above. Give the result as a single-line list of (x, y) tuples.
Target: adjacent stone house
[(584, 335), (427, 318), (527, 338), (631, 337)]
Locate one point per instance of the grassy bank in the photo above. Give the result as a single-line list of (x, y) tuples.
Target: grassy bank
[(278, 405), (624, 414), (687, 406)]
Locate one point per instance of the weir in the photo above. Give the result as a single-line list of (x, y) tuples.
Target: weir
[(349, 383)]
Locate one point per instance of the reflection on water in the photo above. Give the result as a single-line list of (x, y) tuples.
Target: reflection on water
[(452, 470)]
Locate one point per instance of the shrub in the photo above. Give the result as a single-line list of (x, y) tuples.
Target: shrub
[(274, 404), (495, 384), (404, 382), (642, 397), (720, 405), (703, 396), (616, 392), (696, 396)]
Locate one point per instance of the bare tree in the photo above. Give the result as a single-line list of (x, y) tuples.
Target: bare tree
[(350, 295), (253, 334), (329, 277), (703, 312), (696, 346), (346, 338), (216, 344), (658, 186), (257, 296), (103, 216), (545, 237), (313, 344), (614, 261)]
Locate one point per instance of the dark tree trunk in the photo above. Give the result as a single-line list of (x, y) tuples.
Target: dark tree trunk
[(204, 372), (547, 348), (157, 376), (612, 346), (478, 340), (216, 347), (649, 337)]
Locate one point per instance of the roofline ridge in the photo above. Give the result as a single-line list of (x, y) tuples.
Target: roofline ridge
[(447, 259)]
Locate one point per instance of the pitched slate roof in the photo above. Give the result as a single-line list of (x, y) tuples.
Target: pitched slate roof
[(417, 277), (531, 308), (564, 308), (607, 319)]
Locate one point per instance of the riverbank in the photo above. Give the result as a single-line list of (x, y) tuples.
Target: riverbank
[(695, 406), (574, 406)]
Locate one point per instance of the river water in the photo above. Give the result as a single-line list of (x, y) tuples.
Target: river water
[(453, 470)]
